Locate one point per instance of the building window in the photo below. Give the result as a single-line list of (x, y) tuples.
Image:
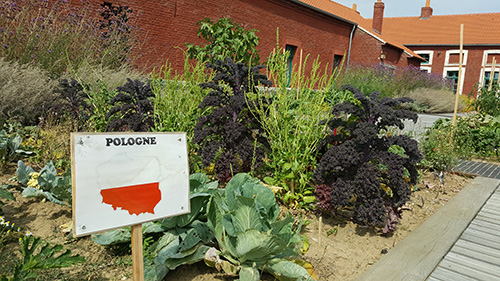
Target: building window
[(425, 66), (487, 64), (452, 74), (487, 78), (453, 57), (337, 62), (289, 62)]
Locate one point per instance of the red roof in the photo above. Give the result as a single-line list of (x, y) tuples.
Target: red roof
[(479, 29), (353, 16)]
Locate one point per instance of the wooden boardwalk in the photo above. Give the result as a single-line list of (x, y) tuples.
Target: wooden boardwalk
[(476, 254), (459, 242)]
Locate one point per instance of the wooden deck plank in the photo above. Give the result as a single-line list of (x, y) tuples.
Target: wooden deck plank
[(480, 236), (486, 255), (486, 229), (485, 224), (485, 218), (447, 275), (472, 273), (417, 255), (491, 214), (481, 269), (477, 247), (486, 243)]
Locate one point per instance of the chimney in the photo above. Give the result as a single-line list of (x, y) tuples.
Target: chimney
[(426, 11), (378, 16), (355, 7)]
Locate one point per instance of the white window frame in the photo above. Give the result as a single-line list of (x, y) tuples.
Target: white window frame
[(456, 68), (426, 52), (487, 66), (483, 75), (426, 68), (451, 52)]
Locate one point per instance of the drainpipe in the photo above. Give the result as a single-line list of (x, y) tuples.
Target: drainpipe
[(350, 44)]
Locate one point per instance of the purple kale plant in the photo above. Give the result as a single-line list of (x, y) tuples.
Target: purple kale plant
[(70, 100), (132, 108), (359, 169), (228, 135)]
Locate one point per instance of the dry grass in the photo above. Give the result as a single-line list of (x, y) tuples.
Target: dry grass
[(24, 90), (435, 101)]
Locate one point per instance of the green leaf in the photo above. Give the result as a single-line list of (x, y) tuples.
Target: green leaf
[(47, 257), (257, 246), (249, 273), (285, 270), (29, 192), (23, 172), (246, 216), (122, 235), (5, 194)]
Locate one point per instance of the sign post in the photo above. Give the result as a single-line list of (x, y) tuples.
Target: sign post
[(137, 253), (127, 179)]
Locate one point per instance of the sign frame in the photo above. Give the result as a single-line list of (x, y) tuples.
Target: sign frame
[(106, 151)]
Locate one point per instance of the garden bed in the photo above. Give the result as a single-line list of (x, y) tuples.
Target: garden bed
[(346, 250)]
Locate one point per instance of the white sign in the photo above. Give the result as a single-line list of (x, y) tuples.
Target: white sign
[(123, 179)]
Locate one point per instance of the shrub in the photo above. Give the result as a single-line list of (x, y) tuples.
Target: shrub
[(54, 35), (433, 100), (474, 135), (225, 38), (391, 82), (437, 146), (488, 101), (24, 92), (228, 134), (363, 169)]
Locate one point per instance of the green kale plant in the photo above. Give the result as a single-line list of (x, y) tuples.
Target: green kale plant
[(359, 168), (38, 255), (132, 108), (225, 38), (228, 134), (46, 183)]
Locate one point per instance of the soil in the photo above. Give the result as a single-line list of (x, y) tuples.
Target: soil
[(341, 251)]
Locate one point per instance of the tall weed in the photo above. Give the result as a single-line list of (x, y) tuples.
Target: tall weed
[(291, 120)]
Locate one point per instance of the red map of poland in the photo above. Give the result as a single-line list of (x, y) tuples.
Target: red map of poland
[(136, 199)]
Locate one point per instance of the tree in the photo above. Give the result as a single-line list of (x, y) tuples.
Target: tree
[(225, 38)]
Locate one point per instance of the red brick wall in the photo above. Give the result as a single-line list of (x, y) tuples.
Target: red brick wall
[(170, 24)]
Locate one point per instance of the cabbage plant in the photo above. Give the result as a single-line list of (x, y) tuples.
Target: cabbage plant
[(250, 237)]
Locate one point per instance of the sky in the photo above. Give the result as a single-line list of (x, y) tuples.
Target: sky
[(411, 8)]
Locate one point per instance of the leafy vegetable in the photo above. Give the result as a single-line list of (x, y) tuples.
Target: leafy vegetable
[(10, 148), (244, 221), (134, 106), (357, 168), (229, 135), (47, 183)]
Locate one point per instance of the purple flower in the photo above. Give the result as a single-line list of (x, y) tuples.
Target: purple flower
[(48, 51), (5, 46), (11, 32)]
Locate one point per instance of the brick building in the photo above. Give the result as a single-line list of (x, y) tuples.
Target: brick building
[(437, 39), (318, 27)]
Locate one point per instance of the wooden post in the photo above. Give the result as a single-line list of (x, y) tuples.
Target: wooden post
[(137, 255), (459, 73), (492, 73), (320, 230)]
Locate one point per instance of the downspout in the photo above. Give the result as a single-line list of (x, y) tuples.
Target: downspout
[(350, 44)]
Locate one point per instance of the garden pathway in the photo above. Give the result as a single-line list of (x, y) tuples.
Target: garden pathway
[(459, 242)]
